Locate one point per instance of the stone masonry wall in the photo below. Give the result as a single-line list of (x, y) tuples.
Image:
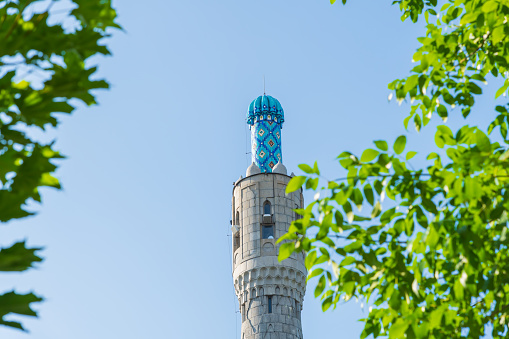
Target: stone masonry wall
[(257, 273)]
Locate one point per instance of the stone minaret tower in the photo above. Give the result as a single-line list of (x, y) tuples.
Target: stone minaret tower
[(270, 292)]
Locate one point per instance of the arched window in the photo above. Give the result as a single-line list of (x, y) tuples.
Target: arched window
[(297, 217), (237, 218), (266, 207)]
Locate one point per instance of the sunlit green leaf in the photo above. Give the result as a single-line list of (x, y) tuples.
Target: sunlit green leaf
[(410, 155), (295, 183), (399, 144), (306, 168), (368, 155), (382, 145), (285, 250)]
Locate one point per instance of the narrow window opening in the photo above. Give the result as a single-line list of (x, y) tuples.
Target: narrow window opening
[(297, 216), (270, 304), (266, 208), (237, 218), (243, 312), (236, 241), (267, 216), (268, 232), (297, 310)]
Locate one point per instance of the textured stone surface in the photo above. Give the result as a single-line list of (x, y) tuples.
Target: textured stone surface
[(257, 273)]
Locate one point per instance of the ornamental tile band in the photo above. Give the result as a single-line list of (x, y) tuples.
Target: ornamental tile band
[(265, 117)]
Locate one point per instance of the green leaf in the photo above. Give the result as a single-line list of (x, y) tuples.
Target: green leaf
[(377, 209), (310, 260), (489, 6), (397, 330), (502, 89), (349, 288), (417, 122), (306, 168), (469, 17), (347, 261), (436, 318), (286, 250), (347, 207), (312, 183), (315, 168), (411, 83), (382, 145), (368, 193), (432, 237), (399, 144), (320, 286), (458, 290), (498, 34), (18, 258), (410, 155), (326, 304), (369, 154), (314, 273), (295, 183), (444, 136), (13, 303)]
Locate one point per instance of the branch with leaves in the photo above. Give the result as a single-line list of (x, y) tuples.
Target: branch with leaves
[(59, 57), (426, 248)]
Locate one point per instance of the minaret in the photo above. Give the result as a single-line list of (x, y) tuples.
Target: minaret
[(270, 292)]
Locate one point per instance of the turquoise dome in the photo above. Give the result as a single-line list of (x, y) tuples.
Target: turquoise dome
[(268, 108)]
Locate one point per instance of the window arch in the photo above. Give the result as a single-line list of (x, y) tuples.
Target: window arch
[(266, 208), (237, 218)]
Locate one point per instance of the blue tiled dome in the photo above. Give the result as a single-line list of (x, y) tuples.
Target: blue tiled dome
[(266, 107), (265, 118)]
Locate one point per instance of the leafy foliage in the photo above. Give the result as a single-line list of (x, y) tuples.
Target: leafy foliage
[(18, 258), (44, 71), (426, 248), (13, 303)]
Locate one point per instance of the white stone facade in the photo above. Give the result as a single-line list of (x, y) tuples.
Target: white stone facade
[(270, 292)]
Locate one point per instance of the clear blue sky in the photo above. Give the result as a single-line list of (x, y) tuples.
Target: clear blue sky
[(136, 243)]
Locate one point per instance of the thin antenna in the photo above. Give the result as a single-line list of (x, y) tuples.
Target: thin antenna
[(264, 84)]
